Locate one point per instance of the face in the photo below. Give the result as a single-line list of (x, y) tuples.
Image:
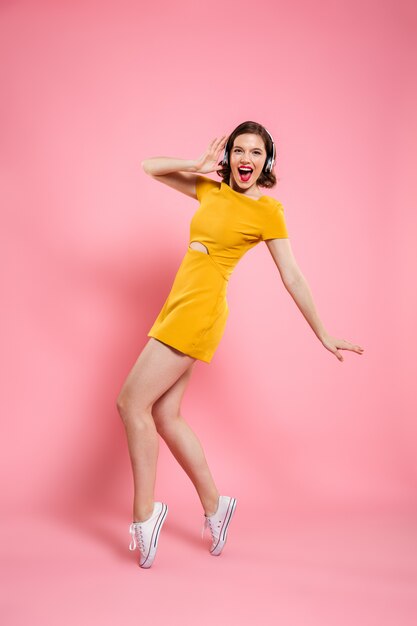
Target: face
[(248, 151)]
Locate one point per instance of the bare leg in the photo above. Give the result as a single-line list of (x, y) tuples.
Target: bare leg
[(157, 368), (149, 403), (183, 443)]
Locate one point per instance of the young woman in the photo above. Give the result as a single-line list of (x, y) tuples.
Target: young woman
[(233, 216)]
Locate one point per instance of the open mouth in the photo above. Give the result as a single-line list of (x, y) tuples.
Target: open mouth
[(245, 173)]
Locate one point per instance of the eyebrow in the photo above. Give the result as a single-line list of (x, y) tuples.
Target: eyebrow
[(252, 148)]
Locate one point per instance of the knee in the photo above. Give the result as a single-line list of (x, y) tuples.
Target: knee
[(121, 401), (123, 407), (131, 413)]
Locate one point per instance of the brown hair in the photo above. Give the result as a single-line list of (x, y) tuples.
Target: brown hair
[(266, 179)]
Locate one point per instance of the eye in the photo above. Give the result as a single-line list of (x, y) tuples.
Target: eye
[(239, 150)]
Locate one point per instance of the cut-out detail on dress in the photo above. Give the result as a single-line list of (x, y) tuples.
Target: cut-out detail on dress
[(203, 249)]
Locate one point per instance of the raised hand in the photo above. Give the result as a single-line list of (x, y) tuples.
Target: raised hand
[(333, 344), (207, 162)]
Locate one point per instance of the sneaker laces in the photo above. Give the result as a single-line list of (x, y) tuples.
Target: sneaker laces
[(137, 537), (208, 523)]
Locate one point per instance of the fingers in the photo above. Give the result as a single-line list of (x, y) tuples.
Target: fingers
[(341, 344), (216, 145), (353, 347), (219, 142)]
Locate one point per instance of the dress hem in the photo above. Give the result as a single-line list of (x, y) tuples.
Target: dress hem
[(189, 352)]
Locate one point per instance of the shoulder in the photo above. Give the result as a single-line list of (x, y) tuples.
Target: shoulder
[(273, 222), (205, 184), (274, 204)]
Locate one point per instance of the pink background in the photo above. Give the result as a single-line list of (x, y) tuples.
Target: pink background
[(320, 454)]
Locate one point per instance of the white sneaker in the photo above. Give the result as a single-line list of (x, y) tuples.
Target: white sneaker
[(219, 523), (145, 534)]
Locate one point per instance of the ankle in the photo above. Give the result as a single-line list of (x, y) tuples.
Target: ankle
[(142, 516), (212, 507)]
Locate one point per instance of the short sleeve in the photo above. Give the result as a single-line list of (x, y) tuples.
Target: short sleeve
[(204, 185), (274, 226)]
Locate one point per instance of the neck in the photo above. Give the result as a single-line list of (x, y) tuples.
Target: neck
[(251, 191)]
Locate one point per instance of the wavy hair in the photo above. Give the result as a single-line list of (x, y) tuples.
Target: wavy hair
[(266, 179)]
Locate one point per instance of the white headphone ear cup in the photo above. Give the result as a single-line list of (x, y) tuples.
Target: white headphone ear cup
[(271, 159)]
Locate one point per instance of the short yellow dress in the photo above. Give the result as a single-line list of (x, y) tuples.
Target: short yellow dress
[(228, 223)]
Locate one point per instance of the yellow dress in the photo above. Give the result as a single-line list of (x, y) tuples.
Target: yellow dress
[(228, 223)]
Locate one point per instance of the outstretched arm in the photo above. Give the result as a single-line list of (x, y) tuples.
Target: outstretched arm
[(296, 284)]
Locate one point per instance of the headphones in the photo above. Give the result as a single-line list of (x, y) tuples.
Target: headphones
[(270, 160)]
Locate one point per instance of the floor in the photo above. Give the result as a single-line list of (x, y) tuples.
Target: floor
[(322, 570)]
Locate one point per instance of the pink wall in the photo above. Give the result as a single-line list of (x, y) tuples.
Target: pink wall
[(91, 244)]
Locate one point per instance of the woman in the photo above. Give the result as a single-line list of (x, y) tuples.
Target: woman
[(233, 216)]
